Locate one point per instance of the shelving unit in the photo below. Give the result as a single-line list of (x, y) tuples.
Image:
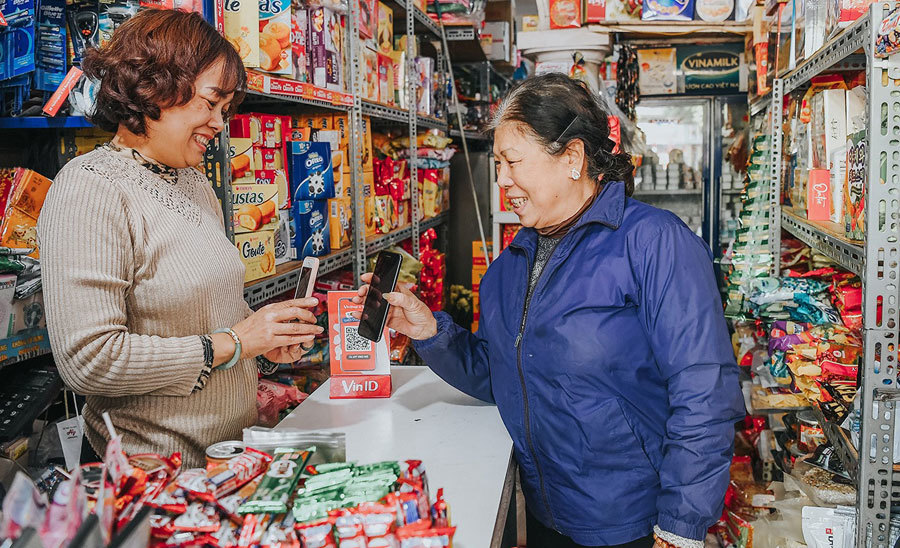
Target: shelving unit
[(876, 260), (270, 90)]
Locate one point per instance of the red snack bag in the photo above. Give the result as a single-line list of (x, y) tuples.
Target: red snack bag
[(428, 538), (440, 510), (156, 482), (317, 534), (196, 485), (199, 518)]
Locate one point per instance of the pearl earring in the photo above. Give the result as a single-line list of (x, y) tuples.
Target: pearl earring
[(575, 174)]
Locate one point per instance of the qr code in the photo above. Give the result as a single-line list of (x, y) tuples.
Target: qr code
[(353, 342)]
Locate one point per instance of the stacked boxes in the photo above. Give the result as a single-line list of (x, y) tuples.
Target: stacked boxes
[(312, 185), (479, 268)]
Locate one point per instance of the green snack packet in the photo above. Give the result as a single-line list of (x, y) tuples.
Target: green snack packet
[(278, 484), (325, 468)]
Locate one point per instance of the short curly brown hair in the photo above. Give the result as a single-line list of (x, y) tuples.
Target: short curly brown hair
[(152, 63)]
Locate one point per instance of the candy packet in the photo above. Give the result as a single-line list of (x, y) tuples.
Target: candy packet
[(278, 484)]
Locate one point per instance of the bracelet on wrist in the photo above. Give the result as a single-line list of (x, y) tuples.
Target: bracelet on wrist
[(237, 348)]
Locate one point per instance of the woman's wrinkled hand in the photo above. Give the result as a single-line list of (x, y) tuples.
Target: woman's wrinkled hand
[(408, 315)]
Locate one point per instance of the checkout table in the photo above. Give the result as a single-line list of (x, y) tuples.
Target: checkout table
[(461, 440)]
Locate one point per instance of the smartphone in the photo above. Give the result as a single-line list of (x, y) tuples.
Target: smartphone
[(307, 280), (375, 309)]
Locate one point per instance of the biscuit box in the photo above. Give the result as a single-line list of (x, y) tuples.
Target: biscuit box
[(311, 224), (240, 153), (254, 207), (340, 212), (275, 36), (311, 175), (360, 368), (279, 178), (242, 29), (284, 241), (257, 251)]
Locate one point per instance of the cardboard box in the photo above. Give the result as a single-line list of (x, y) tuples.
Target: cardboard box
[(340, 212), (284, 242), (321, 120), (368, 18), (242, 29), (27, 313), (424, 82), (836, 147), (311, 223), (370, 73), (565, 14), (855, 186), (478, 253), (254, 207), (818, 200), (385, 79), (359, 367), (240, 150), (311, 172), (324, 39), (384, 36), (7, 296), (29, 192), (275, 36), (500, 49), (275, 130), (257, 252), (594, 11), (19, 231), (398, 60), (299, 37), (279, 178)]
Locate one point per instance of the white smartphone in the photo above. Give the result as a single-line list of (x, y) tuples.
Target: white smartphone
[(307, 281)]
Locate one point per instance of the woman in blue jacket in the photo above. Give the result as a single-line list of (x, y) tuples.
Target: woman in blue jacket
[(601, 338)]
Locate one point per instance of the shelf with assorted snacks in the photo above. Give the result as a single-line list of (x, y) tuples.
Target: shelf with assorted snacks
[(836, 196)]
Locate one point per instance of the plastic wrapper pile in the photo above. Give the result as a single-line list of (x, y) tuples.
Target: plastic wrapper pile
[(253, 499)]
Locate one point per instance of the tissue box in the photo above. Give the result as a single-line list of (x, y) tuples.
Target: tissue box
[(311, 172), (311, 223)]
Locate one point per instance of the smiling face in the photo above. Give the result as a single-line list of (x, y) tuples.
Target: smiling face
[(538, 184), (180, 136)]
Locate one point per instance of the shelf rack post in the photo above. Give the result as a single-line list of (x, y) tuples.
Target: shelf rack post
[(411, 83), (776, 119), (879, 392), (357, 184)]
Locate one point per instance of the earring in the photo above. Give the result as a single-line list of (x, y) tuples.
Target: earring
[(575, 174)]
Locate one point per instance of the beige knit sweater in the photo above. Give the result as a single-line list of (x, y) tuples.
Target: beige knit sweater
[(135, 268)]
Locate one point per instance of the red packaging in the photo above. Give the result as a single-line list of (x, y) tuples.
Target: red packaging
[(565, 14), (317, 534), (230, 476), (199, 518), (428, 538), (595, 12), (368, 17)]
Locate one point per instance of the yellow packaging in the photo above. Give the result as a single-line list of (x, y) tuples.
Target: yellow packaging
[(370, 72), (385, 215), (322, 120), (240, 150), (339, 215), (254, 207), (258, 253), (430, 199), (276, 177), (242, 29), (385, 34), (341, 182), (369, 202), (275, 49), (341, 123), (398, 60), (368, 152)]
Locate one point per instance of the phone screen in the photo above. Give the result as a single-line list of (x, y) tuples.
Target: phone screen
[(303, 282), (384, 278)]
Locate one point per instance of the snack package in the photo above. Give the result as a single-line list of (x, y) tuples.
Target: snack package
[(275, 36), (254, 207), (312, 237), (299, 37), (257, 252), (242, 29), (278, 484), (668, 10), (565, 14), (311, 171), (829, 527), (855, 186)]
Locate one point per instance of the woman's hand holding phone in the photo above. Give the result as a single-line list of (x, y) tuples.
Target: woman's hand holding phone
[(278, 331), (408, 315)]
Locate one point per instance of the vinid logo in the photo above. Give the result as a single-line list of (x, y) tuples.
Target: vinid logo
[(352, 386)]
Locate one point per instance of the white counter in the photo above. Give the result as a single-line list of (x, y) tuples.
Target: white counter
[(462, 441)]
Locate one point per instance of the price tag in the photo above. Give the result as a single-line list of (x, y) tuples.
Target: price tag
[(2, 21)]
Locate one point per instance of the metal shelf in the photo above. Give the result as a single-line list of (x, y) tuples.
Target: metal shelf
[(257, 97), (384, 112), (638, 192), (647, 29), (44, 122), (827, 238), (428, 121), (835, 51), (840, 439), (470, 135), (423, 22), (375, 245), (434, 221), (285, 279), (465, 45), (263, 87), (760, 104)]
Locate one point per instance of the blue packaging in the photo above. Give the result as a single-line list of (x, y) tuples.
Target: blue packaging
[(311, 236), (668, 10), (50, 63), (311, 173), (17, 39)]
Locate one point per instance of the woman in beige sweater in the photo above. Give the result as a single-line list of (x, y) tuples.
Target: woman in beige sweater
[(144, 291)]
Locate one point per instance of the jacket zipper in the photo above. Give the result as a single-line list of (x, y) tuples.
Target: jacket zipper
[(518, 345)]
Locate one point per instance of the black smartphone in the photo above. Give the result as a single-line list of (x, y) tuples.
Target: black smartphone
[(375, 309)]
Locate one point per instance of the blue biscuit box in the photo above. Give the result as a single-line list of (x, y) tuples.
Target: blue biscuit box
[(311, 173), (311, 238)]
